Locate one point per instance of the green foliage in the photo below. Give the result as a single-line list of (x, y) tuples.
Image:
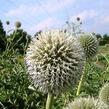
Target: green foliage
[(103, 39), (14, 83), (18, 40), (14, 91), (92, 81), (2, 38)]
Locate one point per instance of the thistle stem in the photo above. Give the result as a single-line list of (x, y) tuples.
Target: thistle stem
[(81, 81), (49, 101)]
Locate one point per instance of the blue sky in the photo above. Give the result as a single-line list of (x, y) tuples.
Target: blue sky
[(41, 14)]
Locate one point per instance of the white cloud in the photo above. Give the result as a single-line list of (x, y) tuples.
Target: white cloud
[(40, 7), (84, 15), (56, 5), (100, 24), (17, 11), (101, 21), (49, 22), (24, 10)]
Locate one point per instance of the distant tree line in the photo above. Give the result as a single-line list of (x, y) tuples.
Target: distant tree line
[(103, 39)]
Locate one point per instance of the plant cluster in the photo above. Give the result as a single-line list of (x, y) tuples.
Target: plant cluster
[(55, 65)]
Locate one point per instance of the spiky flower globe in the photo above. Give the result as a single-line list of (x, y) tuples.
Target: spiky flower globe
[(54, 61), (17, 24), (104, 94), (87, 103), (90, 45)]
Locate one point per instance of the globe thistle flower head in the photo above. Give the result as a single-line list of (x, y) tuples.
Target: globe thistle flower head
[(17, 24), (81, 23), (89, 44), (54, 61), (7, 22), (87, 103), (78, 18), (104, 94)]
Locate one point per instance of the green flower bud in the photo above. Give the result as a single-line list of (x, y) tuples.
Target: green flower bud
[(17, 24), (89, 44)]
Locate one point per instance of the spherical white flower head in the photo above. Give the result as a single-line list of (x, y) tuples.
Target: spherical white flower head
[(104, 93), (87, 103), (54, 61)]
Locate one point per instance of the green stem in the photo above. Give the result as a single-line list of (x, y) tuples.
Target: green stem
[(81, 81), (49, 101)]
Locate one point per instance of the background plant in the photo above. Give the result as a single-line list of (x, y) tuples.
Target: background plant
[(104, 94), (14, 83), (87, 103), (90, 46)]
